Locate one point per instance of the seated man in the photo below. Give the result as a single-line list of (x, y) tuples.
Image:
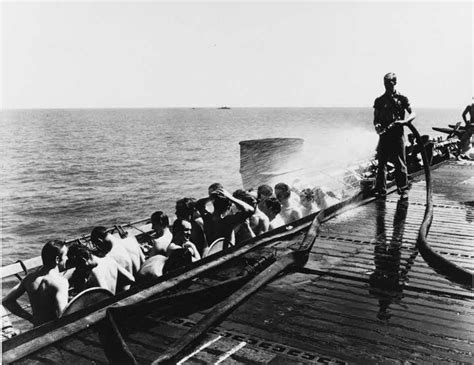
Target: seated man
[(272, 209), (185, 209), (324, 198), (308, 203), (47, 289), (181, 238), (107, 244), (162, 238), (263, 192), (159, 265), (256, 224), (220, 223), (289, 211), (93, 271)]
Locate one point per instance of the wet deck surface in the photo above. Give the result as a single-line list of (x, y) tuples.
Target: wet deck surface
[(365, 296)]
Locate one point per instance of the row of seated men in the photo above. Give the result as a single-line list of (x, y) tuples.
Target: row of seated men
[(219, 220)]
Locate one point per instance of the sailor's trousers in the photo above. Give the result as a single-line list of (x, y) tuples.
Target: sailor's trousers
[(393, 150)]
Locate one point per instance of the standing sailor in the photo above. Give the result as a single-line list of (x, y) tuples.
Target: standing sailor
[(465, 139), (389, 119)]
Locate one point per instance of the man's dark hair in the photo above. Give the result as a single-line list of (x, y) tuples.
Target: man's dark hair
[(185, 208), (51, 250), (245, 197), (264, 191), (284, 188), (177, 259), (215, 186), (101, 247), (273, 204), (77, 254), (160, 218)]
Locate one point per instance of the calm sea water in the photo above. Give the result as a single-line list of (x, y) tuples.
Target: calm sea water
[(66, 171)]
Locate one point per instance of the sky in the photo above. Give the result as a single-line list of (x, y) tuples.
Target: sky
[(107, 54)]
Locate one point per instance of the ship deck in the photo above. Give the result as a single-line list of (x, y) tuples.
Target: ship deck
[(365, 296)]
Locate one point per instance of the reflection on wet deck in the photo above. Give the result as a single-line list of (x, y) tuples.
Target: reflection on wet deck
[(366, 295)]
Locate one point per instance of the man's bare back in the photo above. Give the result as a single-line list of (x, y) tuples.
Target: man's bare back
[(48, 294)]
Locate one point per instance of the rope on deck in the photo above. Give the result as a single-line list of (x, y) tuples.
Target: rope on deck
[(439, 263)]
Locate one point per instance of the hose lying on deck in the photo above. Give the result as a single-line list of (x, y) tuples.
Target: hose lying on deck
[(439, 263)]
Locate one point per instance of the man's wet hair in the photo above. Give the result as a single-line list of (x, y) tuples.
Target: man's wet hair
[(101, 246), (177, 259), (284, 189), (264, 191), (273, 204), (78, 254), (160, 218), (185, 207), (51, 250), (214, 187), (245, 196)]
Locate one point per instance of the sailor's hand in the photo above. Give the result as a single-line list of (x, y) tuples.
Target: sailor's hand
[(378, 128)]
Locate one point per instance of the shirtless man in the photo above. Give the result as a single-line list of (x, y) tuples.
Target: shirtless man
[(181, 238), (308, 203), (47, 289), (263, 192), (93, 271), (289, 212), (107, 244), (257, 222), (159, 265), (219, 223), (185, 209), (273, 209), (160, 225)]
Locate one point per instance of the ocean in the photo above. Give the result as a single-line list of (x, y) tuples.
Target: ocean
[(65, 171)]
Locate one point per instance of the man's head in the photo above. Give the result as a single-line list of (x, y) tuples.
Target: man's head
[(177, 259), (221, 204), (54, 253), (264, 192), (181, 231), (159, 221), (214, 187), (272, 207), (389, 81), (282, 191), (101, 241), (78, 255), (307, 197), (185, 208), (245, 196)]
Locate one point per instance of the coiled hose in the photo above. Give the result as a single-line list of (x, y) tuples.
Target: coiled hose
[(439, 263)]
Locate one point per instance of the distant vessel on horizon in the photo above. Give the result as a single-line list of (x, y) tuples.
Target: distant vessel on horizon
[(224, 107)]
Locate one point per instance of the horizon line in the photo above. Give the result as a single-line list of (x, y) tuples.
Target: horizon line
[(212, 107)]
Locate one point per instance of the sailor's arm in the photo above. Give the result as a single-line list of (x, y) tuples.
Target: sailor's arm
[(377, 125), (10, 303), (465, 113), (14, 293), (241, 205)]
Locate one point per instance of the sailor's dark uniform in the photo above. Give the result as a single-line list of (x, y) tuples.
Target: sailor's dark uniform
[(391, 147)]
